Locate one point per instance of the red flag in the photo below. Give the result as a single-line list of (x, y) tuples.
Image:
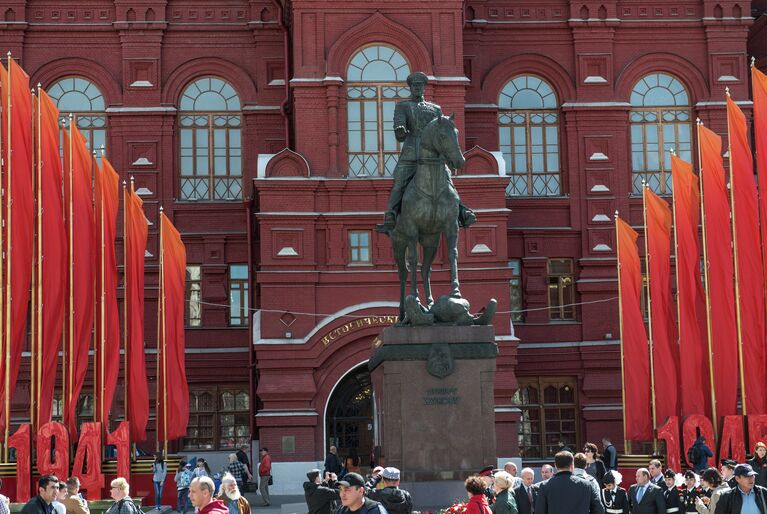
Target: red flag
[(173, 392), (665, 350), (137, 402), (721, 296), (750, 276), (759, 85), (53, 250), (693, 343), (78, 200), (107, 355), (16, 139), (635, 355)]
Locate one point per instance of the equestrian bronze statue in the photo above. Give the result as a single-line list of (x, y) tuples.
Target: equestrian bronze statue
[(424, 205)]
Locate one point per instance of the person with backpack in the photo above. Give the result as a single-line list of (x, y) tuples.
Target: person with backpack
[(120, 492), (353, 499), (698, 455), (183, 478)]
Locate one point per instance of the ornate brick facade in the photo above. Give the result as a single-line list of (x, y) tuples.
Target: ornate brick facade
[(288, 63)]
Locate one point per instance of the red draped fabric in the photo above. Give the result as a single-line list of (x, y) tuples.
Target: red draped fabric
[(107, 355), (173, 392), (635, 354), (693, 342), (745, 216), (54, 253), (78, 206), (721, 294), (19, 219), (664, 338), (136, 227)]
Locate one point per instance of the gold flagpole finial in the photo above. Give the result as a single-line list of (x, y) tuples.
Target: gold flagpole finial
[(101, 148), (698, 122), (727, 91), (615, 215), (753, 61), (671, 149)]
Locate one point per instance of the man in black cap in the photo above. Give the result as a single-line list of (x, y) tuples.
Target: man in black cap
[(321, 497), (690, 492), (353, 500), (671, 493), (396, 500), (614, 498), (486, 474), (728, 472), (747, 497)]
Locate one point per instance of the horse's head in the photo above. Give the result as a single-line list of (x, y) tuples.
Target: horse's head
[(446, 141)]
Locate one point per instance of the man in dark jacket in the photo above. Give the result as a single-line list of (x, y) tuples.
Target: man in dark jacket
[(321, 497), (242, 457), (644, 497), (47, 489), (526, 493), (567, 494), (332, 462), (701, 452), (609, 455), (746, 497), (396, 500), (353, 500)]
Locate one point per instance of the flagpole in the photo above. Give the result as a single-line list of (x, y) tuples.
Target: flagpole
[(649, 315), (626, 442), (98, 393), (39, 316), (8, 269), (125, 302), (737, 273), (707, 289), (164, 355), (160, 342), (102, 314), (2, 261), (70, 340), (33, 394)]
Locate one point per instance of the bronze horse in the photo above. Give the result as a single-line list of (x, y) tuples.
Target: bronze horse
[(429, 209)]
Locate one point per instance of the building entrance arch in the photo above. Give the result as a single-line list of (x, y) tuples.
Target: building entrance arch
[(349, 416)]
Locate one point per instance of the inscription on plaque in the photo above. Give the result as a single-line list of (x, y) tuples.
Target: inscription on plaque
[(441, 396)]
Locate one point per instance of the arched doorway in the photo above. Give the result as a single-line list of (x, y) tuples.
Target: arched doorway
[(349, 416)]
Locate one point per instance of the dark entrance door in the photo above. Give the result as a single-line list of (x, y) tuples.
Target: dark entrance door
[(349, 421)]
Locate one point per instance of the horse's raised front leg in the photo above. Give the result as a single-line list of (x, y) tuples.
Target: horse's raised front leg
[(452, 256), (428, 259), (412, 259)]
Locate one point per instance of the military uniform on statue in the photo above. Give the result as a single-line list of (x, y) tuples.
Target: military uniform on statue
[(410, 118), (614, 498)]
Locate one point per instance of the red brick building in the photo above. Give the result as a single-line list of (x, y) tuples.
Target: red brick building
[(264, 130)]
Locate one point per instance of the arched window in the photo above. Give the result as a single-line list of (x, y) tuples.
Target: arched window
[(210, 141), (660, 120), (83, 99), (528, 131), (376, 81)]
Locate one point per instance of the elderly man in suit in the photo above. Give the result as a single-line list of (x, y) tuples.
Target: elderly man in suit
[(644, 496), (526, 492), (565, 493)]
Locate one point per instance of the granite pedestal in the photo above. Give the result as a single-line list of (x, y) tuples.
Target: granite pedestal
[(433, 389)]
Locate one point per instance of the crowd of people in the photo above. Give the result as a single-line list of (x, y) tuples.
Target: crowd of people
[(59, 497)]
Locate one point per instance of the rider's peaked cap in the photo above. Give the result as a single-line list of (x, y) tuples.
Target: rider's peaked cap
[(417, 76)]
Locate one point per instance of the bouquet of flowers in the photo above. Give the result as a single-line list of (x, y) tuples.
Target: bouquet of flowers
[(456, 508)]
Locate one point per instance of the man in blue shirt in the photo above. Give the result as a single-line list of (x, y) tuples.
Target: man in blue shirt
[(747, 497)]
